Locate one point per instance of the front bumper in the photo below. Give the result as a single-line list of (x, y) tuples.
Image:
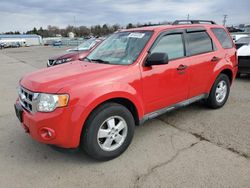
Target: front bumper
[(65, 125)]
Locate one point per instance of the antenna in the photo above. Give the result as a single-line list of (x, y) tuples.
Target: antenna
[(225, 19)]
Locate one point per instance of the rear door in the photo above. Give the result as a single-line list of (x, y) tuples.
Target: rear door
[(201, 58), (164, 85)]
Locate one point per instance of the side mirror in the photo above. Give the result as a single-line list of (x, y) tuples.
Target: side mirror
[(157, 59)]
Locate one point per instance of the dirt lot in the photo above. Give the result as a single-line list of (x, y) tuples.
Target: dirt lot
[(190, 147)]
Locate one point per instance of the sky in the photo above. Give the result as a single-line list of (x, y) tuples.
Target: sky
[(23, 15)]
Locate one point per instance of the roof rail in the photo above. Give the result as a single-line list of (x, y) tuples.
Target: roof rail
[(179, 22)]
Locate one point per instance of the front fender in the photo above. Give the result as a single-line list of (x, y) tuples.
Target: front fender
[(99, 94), (107, 92)]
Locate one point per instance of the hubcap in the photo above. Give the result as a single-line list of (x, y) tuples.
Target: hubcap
[(221, 91), (112, 133)]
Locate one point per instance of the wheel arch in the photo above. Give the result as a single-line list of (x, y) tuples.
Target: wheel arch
[(223, 70), (227, 72), (124, 102), (131, 103), (130, 100)]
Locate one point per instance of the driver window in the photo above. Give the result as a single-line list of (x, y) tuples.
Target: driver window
[(170, 44)]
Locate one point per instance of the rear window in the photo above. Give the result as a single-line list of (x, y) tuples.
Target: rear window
[(223, 37), (198, 43)]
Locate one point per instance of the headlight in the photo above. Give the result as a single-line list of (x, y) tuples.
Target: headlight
[(49, 102), (67, 60), (60, 61)]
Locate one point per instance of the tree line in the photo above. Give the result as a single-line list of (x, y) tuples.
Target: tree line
[(83, 31)]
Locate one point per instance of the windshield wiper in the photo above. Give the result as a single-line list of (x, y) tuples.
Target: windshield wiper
[(100, 61), (86, 58)]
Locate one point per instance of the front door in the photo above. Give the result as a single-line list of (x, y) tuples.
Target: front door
[(164, 85)]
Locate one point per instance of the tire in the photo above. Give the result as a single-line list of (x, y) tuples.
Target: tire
[(238, 75), (217, 98), (99, 140)]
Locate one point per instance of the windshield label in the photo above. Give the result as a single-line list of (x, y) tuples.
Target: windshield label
[(136, 35)]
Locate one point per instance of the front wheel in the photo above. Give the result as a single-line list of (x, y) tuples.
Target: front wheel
[(219, 93), (108, 131)]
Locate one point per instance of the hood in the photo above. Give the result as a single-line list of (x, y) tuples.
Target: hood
[(74, 55), (244, 50), (53, 79)]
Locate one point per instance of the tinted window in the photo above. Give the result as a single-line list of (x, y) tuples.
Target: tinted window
[(198, 42), (223, 37), (170, 44)]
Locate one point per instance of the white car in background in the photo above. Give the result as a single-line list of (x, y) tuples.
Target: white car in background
[(238, 36), (243, 51)]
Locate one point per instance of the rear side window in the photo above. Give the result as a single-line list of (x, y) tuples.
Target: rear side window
[(198, 43), (170, 44), (223, 37)]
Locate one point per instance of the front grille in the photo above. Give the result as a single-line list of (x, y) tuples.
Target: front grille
[(26, 99), (51, 62), (244, 58)]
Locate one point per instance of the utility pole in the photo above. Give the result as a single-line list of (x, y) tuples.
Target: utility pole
[(188, 17), (225, 19)]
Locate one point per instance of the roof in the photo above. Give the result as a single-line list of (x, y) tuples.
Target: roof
[(19, 36), (165, 27)]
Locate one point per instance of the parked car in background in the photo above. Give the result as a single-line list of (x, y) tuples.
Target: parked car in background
[(2, 45), (243, 51), (77, 53), (132, 76), (57, 43), (15, 45), (237, 36), (242, 42), (10, 45)]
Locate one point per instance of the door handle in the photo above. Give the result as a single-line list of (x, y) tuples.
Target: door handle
[(215, 59), (182, 67)]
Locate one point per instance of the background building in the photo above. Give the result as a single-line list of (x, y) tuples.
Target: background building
[(30, 40)]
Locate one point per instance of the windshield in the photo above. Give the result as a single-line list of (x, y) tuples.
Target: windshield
[(86, 45), (121, 48)]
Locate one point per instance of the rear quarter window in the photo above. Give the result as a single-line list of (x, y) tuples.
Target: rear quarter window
[(223, 37)]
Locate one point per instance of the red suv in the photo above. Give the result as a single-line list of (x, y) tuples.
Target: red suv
[(132, 76)]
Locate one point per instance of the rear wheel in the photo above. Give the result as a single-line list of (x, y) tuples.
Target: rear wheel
[(219, 93), (238, 75), (108, 131)]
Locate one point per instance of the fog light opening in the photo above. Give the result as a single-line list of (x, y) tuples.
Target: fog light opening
[(47, 133)]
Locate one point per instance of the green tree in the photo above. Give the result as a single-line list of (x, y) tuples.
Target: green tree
[(129, 26), (34, 31)]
